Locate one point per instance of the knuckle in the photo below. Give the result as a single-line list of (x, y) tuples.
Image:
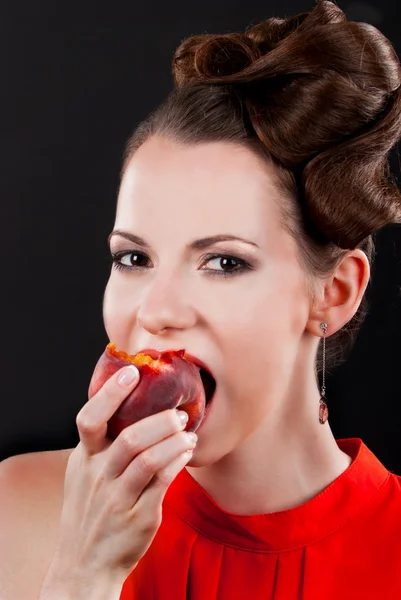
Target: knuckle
[(84, 423), (129, 439), (147, 462), (151, 522), (115, 504), (164, 476), (148, 528)]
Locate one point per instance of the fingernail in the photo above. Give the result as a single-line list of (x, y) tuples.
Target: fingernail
[(183, 416), (128, 375), (192, 436)]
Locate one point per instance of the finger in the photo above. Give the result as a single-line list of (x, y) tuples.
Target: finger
[(138, 437), (151, 499), (148, 463), (92, 419)]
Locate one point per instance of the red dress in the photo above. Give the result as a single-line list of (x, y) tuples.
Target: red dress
[(343, 544)]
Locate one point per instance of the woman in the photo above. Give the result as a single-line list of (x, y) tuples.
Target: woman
[(278, 136)]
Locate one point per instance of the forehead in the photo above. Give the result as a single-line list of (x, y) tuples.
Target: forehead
[(217, 187)]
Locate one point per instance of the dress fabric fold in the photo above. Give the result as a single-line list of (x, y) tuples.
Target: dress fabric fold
[(343, 544)]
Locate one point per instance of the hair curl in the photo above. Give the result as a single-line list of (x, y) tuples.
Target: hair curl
[(318, 97)]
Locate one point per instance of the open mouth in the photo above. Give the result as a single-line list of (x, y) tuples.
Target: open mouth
[(209, 384)]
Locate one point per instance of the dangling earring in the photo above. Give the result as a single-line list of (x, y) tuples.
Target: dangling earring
[(323, 410)]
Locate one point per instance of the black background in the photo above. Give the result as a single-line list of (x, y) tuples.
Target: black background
[(73, 88)]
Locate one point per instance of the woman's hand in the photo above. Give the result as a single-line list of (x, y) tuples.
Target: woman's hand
[(113, 490)]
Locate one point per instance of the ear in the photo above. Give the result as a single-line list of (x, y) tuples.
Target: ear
[(339, 296)]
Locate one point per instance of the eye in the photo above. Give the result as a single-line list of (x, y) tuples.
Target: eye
[(136, 263), (223, 260), (228, 264)]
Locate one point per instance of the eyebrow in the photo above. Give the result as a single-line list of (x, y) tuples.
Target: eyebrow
[(199, 244)]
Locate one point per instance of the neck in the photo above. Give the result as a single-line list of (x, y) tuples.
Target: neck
[(281, 477), (279, 466)]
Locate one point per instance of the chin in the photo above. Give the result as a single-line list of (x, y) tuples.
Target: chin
[(195, 460), (204, 458)]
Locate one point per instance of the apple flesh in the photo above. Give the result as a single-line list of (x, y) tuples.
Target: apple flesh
[(166, 382)]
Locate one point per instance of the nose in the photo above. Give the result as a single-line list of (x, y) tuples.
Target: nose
[(165, 305)]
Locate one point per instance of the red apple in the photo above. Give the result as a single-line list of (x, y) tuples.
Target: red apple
[(168, 381)]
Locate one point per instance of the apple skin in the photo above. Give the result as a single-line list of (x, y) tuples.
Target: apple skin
[(166, 382)]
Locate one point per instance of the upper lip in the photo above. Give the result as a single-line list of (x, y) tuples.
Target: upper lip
[(153, 352)]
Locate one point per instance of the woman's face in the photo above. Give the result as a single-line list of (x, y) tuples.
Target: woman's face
[(243, 316)]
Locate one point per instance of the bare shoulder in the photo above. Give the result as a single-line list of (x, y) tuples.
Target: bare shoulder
[(31, 498), (35, 479), (50, 459), (24, 469)]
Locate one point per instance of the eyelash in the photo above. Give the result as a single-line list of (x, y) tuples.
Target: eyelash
[(244, 265)]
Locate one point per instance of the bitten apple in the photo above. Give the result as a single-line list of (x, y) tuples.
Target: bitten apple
[(168, 381)]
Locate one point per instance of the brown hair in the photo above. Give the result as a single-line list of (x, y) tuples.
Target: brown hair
[(317, 96)]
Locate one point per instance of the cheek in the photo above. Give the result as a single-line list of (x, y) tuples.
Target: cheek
[(116, 313), (262, 333)]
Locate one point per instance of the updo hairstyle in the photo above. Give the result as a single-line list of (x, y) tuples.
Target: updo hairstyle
[(318, 97)]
